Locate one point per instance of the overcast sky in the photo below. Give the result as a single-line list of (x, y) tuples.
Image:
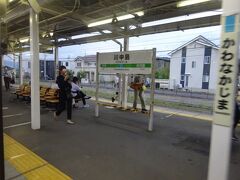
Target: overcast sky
[(164, 42)]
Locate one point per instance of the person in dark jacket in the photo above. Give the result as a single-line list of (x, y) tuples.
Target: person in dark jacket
[(65, 96), (236, 121), (7, 79)]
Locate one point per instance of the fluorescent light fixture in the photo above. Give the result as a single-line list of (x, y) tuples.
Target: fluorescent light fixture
[(183, 18), (25, 46), (119, 18), (190, 2), (132, 27), (98, 23), (62, 39), (86, 35), (23, 40), (10, 1), (44, 34), (107, 31)]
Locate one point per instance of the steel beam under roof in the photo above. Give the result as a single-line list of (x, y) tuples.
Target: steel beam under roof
[(67, 18), (183, 25)]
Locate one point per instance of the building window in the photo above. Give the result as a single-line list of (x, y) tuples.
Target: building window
[(183, 59), (29, 64), (79, 64), (207, 59), (66, 63), (193, 64), (205, 78), (182, 77)]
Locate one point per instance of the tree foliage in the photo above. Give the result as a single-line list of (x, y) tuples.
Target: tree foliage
[(70, 73), (162, 73), (81, 75)]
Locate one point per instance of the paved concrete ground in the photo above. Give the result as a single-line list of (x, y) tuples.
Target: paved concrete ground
[(117, 146)]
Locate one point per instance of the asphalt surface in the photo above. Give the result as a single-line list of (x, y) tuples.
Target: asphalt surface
[(116, 145)]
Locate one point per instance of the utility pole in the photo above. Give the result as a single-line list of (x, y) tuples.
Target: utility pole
[(3, 48)]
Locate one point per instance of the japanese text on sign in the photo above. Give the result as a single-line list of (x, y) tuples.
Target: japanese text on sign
[(226, 82), (134, 62), (225, 74)]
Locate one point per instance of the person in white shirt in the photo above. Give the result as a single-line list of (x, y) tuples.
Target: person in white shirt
[(77, 93)]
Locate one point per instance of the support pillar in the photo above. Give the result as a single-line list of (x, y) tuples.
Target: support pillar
[(125, 77), (224, 113), (44, 69), (3, 32), (120, 90), (20, 69), (90, 77), (120, 81), (56, 60), (14, 60), (34, 52), (151, 110), (97, 88)]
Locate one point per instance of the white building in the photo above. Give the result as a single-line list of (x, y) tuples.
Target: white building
[(194, 65), (86, 64), (46, 65)]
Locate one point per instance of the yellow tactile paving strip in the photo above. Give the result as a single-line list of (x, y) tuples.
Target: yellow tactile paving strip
[(27, 163)]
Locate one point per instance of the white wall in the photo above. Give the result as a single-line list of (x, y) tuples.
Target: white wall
[(195, 52), (213, 69), (88, 67), (25, 66), (175, 67)]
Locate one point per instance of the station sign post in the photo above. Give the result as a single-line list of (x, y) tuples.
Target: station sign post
[(224, 105), (141, 62)]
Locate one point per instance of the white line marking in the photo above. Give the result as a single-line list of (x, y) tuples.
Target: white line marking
[(5, 108), (14, 157), (12, 115), (169, 115), (16, 125)]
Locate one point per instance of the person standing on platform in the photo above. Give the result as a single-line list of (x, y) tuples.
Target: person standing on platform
[(65, 95), (235, 122), (6, 78), (138, 86)]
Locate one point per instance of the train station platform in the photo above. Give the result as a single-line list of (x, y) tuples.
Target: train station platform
[(114, 146)]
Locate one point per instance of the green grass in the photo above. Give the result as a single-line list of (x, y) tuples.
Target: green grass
[(175, 105)]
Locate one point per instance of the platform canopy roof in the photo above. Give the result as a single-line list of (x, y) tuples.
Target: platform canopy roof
[(66, 22)]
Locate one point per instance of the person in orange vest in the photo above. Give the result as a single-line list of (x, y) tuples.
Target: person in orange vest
[(138, 86)]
